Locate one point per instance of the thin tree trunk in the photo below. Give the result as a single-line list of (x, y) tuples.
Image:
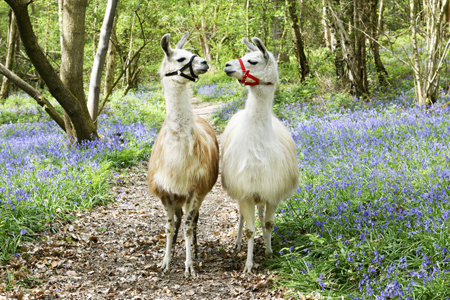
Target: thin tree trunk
[(78, 112), (326, 29), (341, 79), (277, 30), (99, 61), (374, 31), (219, 47), (111, 63), (357, 87), (303, 66), (359, 18), (13, 36), (247, 15), (204, 42)]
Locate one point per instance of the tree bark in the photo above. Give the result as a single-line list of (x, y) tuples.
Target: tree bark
[(357, 87), (13, 36), (36, 95), (427, 70), (78, 112), (374, 32), (111, 63), (277, 30), (303, 66), (326, 28), (359, 18), (337, 50), (99, 61), (129, 72)]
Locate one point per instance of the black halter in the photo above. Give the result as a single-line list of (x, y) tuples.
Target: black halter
[(193, 77)]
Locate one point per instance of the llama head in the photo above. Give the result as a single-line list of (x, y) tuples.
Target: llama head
[(177, 58), (258, 61)]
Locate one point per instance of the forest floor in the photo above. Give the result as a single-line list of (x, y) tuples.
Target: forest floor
[(112, 251)]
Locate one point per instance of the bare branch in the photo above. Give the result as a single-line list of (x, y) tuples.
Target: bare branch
[(35, 94)]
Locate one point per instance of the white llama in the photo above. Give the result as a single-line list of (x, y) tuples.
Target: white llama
[(259, 157), (184, 163)]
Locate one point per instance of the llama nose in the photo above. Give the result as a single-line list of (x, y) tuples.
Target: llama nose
[(227, 65)]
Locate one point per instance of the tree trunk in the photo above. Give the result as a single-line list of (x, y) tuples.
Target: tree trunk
[(111, 63), (374, 32), (357, 88), (427, 68), (78, 112), (277, 30), (303, 66), (204, 42), (129, 72), (72, 52), (359, 18), (13, 36), (219, 47), (247, 16), (326, 28), (99, 61), (341, 79)]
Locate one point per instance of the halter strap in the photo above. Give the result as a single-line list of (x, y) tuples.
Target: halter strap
[(246, 74), (193, 77)]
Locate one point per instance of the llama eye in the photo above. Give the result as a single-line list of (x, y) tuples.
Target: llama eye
[(181, 59), (252, 62)]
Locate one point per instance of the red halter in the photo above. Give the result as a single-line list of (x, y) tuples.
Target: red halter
[(246, 74)]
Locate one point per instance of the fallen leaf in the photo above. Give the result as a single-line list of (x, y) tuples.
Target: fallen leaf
[(93, 239)]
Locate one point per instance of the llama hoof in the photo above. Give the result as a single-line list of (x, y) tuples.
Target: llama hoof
[(269, 254), (189, 271), (248, 269), (237, 247), (164, 266)]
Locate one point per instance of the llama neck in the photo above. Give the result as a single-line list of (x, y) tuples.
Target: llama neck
[(259, 106), (179, 115)]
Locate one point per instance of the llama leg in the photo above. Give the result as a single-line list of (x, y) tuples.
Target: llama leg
[(195, 236), (238, 243), (170, 210), (247, 208), (178, 217), (261, 214), (192, 208), (270, 218)]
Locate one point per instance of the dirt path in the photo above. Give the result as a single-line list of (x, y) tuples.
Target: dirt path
[(112, 252)]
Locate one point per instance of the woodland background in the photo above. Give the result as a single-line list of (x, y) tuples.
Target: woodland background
[(364, 91)]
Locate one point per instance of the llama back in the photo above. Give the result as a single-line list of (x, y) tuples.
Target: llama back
[(179, 166)]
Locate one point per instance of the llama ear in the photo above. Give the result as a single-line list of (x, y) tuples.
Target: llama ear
[(165, 44), (249, 45), (261, 47), (183, 40)]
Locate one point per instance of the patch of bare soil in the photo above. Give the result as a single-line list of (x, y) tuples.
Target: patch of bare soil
[(112, 252)]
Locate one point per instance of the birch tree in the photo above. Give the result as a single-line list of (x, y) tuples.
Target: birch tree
[(428, 50), (99, 61), (303, 65), (13, 36)]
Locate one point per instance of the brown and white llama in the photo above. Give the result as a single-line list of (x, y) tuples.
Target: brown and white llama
[(184, 163), (259, 157)]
